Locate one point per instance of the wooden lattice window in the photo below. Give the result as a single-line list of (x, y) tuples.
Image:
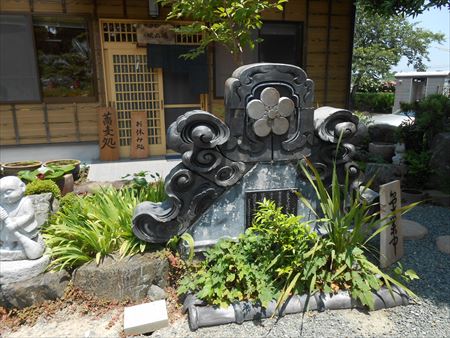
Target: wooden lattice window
[(136, 89), (125, 31)]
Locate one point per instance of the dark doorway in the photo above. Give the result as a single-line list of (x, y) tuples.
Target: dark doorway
[(281, 43)]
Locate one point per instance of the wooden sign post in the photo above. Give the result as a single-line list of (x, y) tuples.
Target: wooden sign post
[(108, 134), (139, 135), (391, 238)]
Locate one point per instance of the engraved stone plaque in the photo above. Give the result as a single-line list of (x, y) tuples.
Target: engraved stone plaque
[(285, 198)]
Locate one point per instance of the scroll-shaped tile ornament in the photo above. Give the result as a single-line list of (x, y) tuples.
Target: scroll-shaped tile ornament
[(193, 185), (270, 112)]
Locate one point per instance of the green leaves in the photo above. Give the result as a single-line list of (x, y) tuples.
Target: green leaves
[(229, 22), (97, 225), (380, 42), (279, 255)]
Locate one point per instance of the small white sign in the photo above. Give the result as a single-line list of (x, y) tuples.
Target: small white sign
[(145, 318), (391, 238)]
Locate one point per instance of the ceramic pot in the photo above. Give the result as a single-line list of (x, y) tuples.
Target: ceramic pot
[(76, 163), (12, 168)]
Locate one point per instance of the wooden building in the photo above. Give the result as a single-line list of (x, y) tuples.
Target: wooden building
[(63, 59)]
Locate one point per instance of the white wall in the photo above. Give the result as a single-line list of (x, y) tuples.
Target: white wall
[(402, 92), (434, 85), (87, 152)]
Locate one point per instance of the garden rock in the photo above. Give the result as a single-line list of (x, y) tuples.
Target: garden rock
[(47, 286), (382, 150), (44, 205), (92, 187), (440, 162), (413, 230), (438, 197), (156, 293), (383, 173), (382, 133), (129, 278), (443, 244)]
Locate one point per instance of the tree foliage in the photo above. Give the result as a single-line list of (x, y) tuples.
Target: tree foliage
[(380, 42), (401, 7), (229, 22)]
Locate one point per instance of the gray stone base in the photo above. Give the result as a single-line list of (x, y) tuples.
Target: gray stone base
[(47, 286), (16, 271), (12, 255), (129, 278)]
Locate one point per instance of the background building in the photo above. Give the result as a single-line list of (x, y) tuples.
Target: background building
[(60, 60)]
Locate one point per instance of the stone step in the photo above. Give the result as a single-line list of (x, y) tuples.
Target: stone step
[(413, 230), (443, 244)]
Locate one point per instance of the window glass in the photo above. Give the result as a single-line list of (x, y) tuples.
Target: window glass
[(64, 56), (18, 71)]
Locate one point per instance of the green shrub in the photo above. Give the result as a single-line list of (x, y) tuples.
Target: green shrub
[(279, 255), (432, 117), (69, 200), (43, 186), (150, 191), (374, 102), (95, 226), (364, 118), (419, 169)]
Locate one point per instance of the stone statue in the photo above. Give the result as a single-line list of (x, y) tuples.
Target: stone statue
[(19, 230)]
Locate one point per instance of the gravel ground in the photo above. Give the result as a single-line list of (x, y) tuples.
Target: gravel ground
[(428, 317)]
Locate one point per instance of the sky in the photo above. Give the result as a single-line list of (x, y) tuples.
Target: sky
[(437, 21)]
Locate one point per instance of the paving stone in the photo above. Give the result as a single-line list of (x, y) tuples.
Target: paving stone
[(413, 230), (144, 318), (443, 244)]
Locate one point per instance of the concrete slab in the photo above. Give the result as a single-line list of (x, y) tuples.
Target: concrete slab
[(144, 318), (413, 230), (115, 171)]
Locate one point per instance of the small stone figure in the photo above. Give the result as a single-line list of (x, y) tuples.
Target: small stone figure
[(399, 158), (19, 230)]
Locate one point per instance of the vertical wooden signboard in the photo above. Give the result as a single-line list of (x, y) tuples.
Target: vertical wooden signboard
[(139, 135), (108, 134), (391, 238)]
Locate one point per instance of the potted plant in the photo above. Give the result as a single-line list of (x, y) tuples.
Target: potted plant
[(55, 173), (12, 168), (60, 163)]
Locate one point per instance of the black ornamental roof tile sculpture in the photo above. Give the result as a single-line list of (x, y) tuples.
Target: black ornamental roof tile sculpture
[(270, 126)]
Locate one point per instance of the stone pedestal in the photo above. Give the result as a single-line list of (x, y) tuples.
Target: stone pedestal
[(227, 216), (16, 271)]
